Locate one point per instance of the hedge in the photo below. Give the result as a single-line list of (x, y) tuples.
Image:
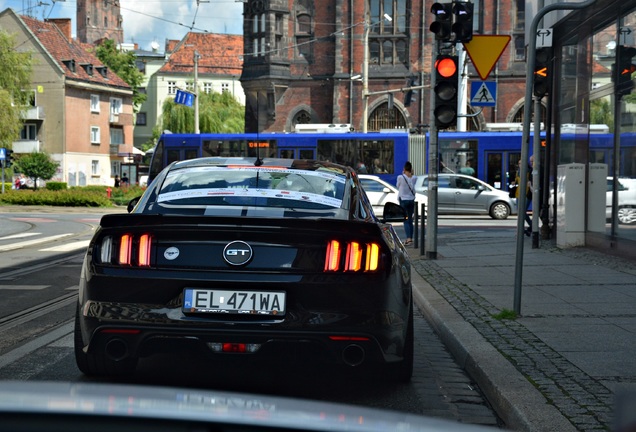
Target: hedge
[(89, 196)]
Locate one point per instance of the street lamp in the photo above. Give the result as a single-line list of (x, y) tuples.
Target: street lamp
[(365, 68)]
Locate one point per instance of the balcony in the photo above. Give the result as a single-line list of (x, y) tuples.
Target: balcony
[(116, 149), (121, 119), (33, 113), (26, 146)]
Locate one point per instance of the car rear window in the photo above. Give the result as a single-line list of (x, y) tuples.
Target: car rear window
[(253, 186)]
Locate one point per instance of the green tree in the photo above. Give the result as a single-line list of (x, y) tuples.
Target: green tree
[(601, 112), (36, 166), (15, 77), (218, 113), (123, 63)]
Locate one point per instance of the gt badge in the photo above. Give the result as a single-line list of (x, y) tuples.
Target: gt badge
[(237, 253), (171, 253)]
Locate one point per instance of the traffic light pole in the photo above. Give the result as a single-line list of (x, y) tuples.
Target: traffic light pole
[(433, 169)]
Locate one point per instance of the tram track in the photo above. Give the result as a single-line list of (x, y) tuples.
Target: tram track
[(36, 311)]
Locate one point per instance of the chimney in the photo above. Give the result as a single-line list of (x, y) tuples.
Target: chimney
[(64, 24)]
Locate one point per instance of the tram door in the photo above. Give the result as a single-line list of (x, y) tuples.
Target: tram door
[(297, 153), (180, 154), (501, 168)]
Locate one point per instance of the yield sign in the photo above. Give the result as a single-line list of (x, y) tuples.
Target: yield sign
[(484, 51)]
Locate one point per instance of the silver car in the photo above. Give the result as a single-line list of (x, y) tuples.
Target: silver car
[(463, 194), (626, 200)]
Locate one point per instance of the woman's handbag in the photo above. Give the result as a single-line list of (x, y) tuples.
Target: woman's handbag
[(512, 192)]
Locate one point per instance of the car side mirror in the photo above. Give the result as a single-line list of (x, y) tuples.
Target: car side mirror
[(386, 190), (132, 203), (393, 213)]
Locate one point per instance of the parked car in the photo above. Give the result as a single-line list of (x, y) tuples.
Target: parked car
[(626, 200), (381, 192), (269, 259), (462, 194)]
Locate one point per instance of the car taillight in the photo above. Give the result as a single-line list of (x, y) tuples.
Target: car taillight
[(127, 250), (358, 256)]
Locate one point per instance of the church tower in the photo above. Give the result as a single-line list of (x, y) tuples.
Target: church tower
[(99, 19)]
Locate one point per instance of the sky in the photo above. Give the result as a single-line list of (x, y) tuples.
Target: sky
[(148, 21)]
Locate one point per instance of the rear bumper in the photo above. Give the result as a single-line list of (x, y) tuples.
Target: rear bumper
[(117, 340)]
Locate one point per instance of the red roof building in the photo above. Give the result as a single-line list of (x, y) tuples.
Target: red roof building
[(82, 113)]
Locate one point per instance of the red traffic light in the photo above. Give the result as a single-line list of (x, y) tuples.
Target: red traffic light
[(446, 67)]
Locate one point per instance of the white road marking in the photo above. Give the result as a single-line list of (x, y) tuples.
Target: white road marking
[(19, 236), (20, 245), (24, 287), (68, 247)]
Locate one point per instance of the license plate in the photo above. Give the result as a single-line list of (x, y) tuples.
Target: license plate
[(234, 302)]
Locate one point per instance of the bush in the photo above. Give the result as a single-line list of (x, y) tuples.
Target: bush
[(56, 186), (62, 198), (76, 196)]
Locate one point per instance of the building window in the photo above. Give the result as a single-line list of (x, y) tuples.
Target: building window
[(520, 48), (94, 103), (207, 88), (141, 119), (29, 98), (172, 87), (384, 118), (95, 135), (95, 167), (225, 88), (302, 117), (389, 38), (190, 86), (115, 105), (520, 15), (29, 132), (116, 136), (255, 10), (304, 36)]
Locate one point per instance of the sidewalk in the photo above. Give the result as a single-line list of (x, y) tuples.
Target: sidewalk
[(560, 365)]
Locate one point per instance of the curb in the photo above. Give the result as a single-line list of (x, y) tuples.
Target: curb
[(516, 401)]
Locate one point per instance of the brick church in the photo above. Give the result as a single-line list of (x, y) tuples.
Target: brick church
[(305, 62)]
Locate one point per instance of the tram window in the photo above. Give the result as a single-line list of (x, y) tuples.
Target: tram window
[(306, 154)]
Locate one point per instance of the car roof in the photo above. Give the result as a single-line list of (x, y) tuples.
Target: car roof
[(305, 164)]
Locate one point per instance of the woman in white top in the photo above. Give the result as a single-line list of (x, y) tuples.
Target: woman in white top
[(406, 196)]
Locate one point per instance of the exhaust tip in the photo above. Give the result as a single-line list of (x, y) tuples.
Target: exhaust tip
[(353, 355), (117, 349)]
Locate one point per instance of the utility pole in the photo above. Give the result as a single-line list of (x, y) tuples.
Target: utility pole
[(365, 73), (196, 92)]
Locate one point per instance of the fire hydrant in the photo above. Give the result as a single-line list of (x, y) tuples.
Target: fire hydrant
[(108, 191)]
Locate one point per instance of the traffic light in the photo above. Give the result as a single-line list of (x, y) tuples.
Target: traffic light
[(8, 158), (622, 75), (463, 23), (408, 96), (442, 26), (446, 83), (542, 69)]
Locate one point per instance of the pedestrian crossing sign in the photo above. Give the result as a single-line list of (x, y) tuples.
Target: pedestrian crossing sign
[(483, 93)]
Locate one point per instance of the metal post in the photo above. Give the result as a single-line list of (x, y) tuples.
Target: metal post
[(433, 169), (423, 230), (196, 92), (536, 156), (365, 73), (416, 224), (532, 47)]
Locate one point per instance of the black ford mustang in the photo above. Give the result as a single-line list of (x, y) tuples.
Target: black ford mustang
[(248, 257)]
